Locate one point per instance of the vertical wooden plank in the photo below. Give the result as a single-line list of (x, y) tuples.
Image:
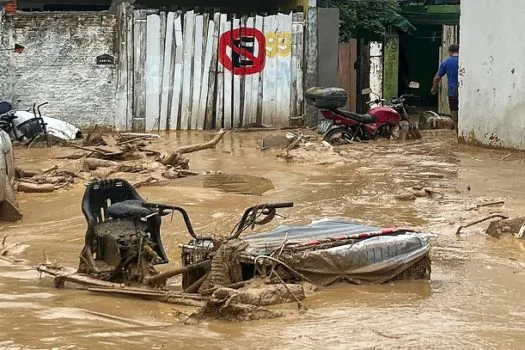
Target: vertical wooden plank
[(250, 104), (346, 72), (284, 70), (270, 71), (139, 102), (257, 93), (213, 72), (297, 73), (299, 87), (131, 70), (376, 70), (236, 82), (343, 70), (122, 69), (205, 84), (219, 114), (312, 57), (244, 41), (152, 72), (197, 71), (228, 78), (167, 72), (162, 43), (188, 35), (353, 91), (177, 75)]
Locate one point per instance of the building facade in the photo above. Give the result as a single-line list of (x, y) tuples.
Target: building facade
[(492, 71), (167, 67)]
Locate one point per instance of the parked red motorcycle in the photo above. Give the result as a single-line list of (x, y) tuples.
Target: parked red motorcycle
[(383, 120)]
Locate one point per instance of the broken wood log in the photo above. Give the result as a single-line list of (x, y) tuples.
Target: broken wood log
[(493, 216), (161, 278), (49, 170), (95, 163), (75, 156), (194, 288), (21, 173), (193, 148), (486, 205), (35, 188), (132, 140), (69, 275), (151, 181), (163, 296), (135, 134)]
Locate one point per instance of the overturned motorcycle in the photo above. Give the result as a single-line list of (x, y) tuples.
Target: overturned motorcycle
[(123, 246), (31, 126)]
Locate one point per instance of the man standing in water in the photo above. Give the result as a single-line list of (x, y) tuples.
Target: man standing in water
[(450, 68)]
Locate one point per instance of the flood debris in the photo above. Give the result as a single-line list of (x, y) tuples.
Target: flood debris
[(230, 276), (484, 205), (490, 217), (45, 181), (431, 121), (507, 227), (418, 192), (8, 252), (106, 155)]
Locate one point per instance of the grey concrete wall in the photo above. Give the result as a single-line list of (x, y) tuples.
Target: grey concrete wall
[(58, 65), (328, 47)]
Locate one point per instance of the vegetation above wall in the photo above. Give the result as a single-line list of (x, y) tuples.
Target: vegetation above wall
[(367, 19)]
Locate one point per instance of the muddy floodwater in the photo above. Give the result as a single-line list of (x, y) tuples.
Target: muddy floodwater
[(474, 301)]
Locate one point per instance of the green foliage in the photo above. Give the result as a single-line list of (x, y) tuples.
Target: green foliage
[(363, 18)]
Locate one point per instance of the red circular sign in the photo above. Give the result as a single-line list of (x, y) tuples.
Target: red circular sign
[(243, 58)]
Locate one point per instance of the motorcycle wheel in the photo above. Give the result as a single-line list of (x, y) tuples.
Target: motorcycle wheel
[(395, 132), (339, 136)]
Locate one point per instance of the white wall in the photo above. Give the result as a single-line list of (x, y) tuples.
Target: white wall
[(376, 70), (492, 72)]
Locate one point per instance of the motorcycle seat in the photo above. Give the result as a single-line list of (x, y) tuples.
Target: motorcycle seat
[(362, 118), (129, 209)]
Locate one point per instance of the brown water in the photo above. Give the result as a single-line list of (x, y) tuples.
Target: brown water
[(473, 301)]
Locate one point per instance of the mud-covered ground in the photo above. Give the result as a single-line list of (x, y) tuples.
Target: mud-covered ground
[(474, 299)]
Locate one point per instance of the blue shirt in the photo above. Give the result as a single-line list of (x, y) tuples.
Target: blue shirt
[(450, 68)]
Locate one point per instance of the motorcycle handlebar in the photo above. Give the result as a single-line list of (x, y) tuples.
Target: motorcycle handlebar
[(242, 223)]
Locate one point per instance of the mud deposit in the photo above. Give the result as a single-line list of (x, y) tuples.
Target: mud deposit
[(474, 300)]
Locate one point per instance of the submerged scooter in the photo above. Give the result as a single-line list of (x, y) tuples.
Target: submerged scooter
[(382, 120), (28, 126)]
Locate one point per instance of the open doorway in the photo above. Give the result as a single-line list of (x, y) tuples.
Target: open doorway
[(419, 56)]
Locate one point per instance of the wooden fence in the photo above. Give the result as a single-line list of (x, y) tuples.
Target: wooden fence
[(207, 71)]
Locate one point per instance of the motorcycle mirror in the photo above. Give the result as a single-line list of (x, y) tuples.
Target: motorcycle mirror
[(366, 91), (413, 85)]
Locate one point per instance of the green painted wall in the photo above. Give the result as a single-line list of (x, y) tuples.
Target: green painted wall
[(391, 66)]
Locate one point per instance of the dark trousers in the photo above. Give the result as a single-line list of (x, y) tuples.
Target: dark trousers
[(453, 102)]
